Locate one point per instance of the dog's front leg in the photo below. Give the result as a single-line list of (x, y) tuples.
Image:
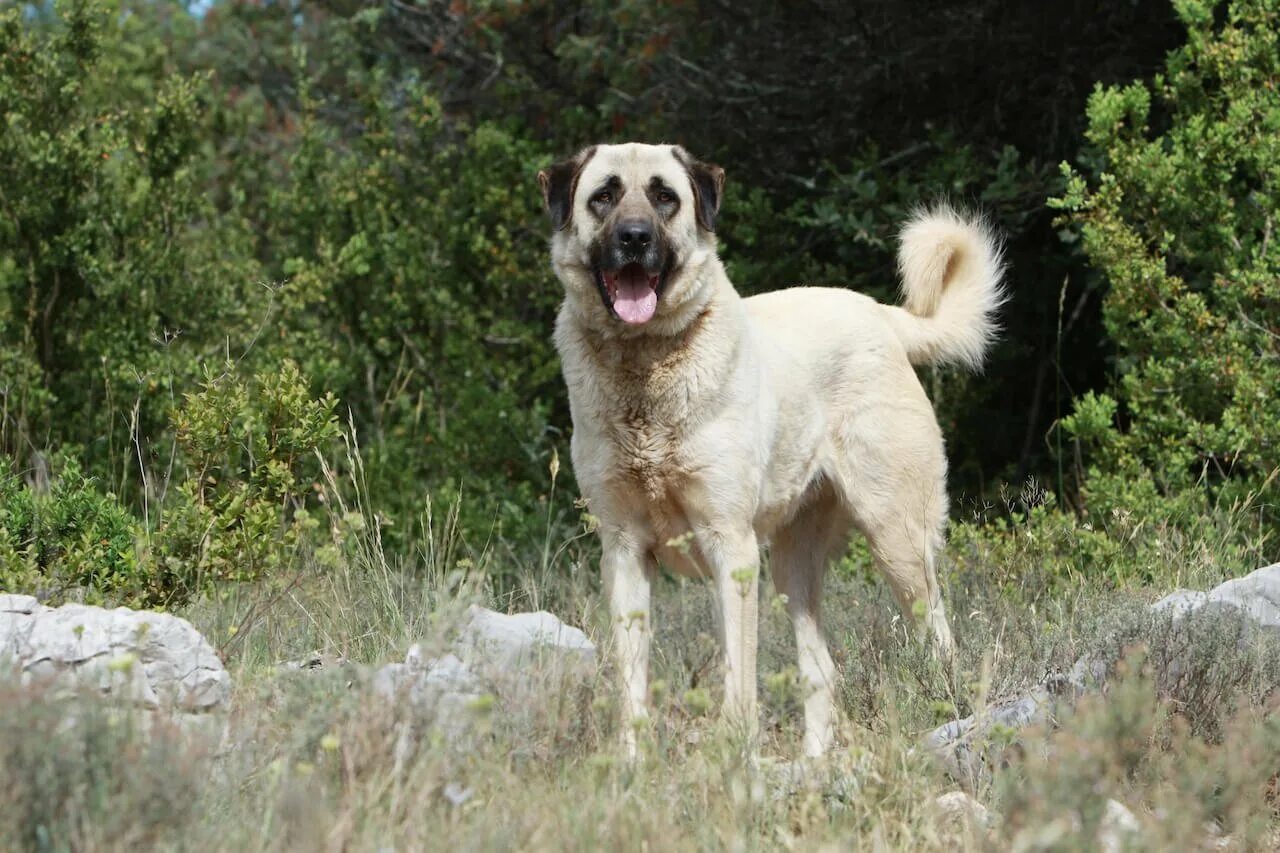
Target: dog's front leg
[(624, 565), (735, 565)]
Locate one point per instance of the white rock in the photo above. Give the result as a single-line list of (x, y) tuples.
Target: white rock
[(516, 659), (1180, 602), (443, 690), (957, 805), (10, 603), (512, 642), (1247, 607), (1117, 828), (457, 794), (153, 659), (962, 744), (1256, 595), (313, 662)]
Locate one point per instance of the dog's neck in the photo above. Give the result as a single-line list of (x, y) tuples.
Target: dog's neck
[(661, 374)]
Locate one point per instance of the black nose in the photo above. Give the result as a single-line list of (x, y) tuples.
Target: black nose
[(634, 234)]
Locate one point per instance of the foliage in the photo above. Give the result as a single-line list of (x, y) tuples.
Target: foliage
[(93, 779), (222, 233), (239, 512), (1132, 743), (325, 762), (248, 449), (109, 246), (415, 285), (1002, 539), (345, 187), (1179, 218), (70, 537)]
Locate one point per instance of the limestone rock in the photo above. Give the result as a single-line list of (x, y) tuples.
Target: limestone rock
[(513, 642), (515, 660), (1117, 828), (1255, 596), (959, 806), (155, 660), (965, 746), (443, 688)]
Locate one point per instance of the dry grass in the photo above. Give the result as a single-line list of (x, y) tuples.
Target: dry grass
[(311, 761)]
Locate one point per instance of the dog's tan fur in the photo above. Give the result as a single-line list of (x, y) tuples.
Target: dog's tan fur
[(724, 424)]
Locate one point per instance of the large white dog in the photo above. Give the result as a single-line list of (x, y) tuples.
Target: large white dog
[(706, 426)]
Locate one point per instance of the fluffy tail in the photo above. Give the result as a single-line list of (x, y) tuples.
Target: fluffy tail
[(951, 268)]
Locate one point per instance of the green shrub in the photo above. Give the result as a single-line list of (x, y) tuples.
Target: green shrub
[(415, 285), (1031, 547), (117, 272), (246, 467), (1179, 217), (250, 456), (71, 539)]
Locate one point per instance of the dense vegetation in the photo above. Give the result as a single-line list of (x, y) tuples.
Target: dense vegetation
[(274, 354), (230, 236)]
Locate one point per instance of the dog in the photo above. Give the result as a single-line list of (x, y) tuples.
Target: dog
[(707, 425)]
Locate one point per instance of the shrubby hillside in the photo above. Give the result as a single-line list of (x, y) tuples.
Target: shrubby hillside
[(275, 314), (231, 235)]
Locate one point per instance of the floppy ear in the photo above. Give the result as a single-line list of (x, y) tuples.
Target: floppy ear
[(559, 182), (708, 186)]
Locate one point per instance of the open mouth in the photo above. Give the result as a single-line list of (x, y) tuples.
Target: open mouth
[(630, 293)]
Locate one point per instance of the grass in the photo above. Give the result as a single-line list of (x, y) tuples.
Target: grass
[(311, 761)]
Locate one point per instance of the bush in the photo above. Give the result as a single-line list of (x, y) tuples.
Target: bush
[(415, 285), (250, 454), (1179, 216), (1136, 748), (117, 273), (71, 539), (248, 464)]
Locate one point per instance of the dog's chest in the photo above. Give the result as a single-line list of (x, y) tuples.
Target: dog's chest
[(647, 457)]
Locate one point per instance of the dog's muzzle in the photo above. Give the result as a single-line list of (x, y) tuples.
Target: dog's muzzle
[(632, 271)]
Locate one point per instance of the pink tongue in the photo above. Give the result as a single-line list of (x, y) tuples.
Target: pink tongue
[(636, 300)]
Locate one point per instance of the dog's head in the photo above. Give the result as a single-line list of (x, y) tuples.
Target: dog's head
[(634, 227)]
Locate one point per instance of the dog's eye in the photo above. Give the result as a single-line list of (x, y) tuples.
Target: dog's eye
[(602, 197), (666, 197)]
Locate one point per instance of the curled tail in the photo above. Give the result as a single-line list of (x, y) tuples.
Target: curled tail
[(951, 268)]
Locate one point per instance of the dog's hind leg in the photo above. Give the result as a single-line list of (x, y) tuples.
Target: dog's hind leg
[(894, 482), (798, 559), (906, 539), (906, 551)]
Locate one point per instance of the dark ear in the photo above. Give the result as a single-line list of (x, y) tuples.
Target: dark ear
[(708, 186), (559, 182)]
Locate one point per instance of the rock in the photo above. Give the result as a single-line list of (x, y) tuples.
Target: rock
[(1180, 602), (517, 660), (965, 746), (1249, 604), (314, 661), (959, 806), (441, 690), (457, 794), (1117, 828), (10, 603), (514, 642), (1087, 675), (1241, 612), (1255, 596), (155, 660)]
